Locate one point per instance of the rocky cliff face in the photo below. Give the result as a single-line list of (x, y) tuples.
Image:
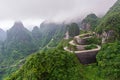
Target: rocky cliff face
[(89, 22), (109, 27), (86, 26)]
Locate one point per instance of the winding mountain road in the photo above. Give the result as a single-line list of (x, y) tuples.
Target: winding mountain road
[(81, 51)]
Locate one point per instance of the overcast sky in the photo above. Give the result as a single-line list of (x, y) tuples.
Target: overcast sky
[(33, 12)]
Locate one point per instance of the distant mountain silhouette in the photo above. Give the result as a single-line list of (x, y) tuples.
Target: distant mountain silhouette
[(19, 39), (2, 35)]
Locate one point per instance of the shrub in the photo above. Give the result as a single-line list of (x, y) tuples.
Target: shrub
[(53, 64), (109, 61), (92, 46)]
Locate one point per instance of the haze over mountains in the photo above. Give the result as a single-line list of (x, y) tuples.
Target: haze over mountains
[(55, 39), (60, 62), (32, 13), (2, 35)]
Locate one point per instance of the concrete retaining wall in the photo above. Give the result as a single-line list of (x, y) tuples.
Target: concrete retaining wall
[(87, 57), (84, 56)]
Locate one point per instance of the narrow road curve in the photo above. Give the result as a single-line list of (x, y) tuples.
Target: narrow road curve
[(82, 51)]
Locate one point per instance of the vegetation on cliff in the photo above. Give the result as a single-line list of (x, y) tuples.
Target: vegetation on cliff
[(53, 64)]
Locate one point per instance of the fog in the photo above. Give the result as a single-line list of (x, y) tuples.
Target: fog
[(33, 12)]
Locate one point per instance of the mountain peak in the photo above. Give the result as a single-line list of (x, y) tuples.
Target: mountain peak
[(18, 24), (1, 30), (35, 28), (2, 35)]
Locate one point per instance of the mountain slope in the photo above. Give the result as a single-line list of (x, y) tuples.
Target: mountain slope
[(109, 56), (61, 65), (53, 64), (37, 36), (20, 43), (2, 35), (110, 24), (51, 31), (90, 22), (73, 29), (19, 39)]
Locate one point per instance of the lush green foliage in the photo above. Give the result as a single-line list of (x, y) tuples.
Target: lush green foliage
[(83, 31), (73, 29), (91, 46), (111, 22), (109, 56), (57, 37), (49, 65), (92, 20), (20, 43), (52, 33), (37, 35), (115, 7), (109, 61), (93, 40), (72, 47), (59, 64)]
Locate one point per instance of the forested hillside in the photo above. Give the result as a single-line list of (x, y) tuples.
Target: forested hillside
[(51, 33), (21, 42), (73, 29), (110, 24), (2, 35), (19, 39), (105, 68), (18, 45), (41, 54), (49, 65), (90, 22), (108, 58)]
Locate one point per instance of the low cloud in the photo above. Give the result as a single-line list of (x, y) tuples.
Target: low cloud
[(57, 10)]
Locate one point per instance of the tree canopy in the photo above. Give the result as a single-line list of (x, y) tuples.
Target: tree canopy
[(52, 64), (73, 29)]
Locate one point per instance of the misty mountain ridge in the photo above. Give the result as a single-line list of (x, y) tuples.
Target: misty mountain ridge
[(76, 19), (2, 35), (18, 31), (48, 60)]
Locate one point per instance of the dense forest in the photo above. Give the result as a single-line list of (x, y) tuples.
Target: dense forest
[(48, 53), (53, 64), (19, 42)]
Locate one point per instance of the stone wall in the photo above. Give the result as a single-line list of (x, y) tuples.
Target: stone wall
[(87, 57), (84, 56)]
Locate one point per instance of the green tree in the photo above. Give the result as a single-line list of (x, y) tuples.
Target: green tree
[(52, 64), (92, 20), (109, 61), (73, 29), (111, 23)]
